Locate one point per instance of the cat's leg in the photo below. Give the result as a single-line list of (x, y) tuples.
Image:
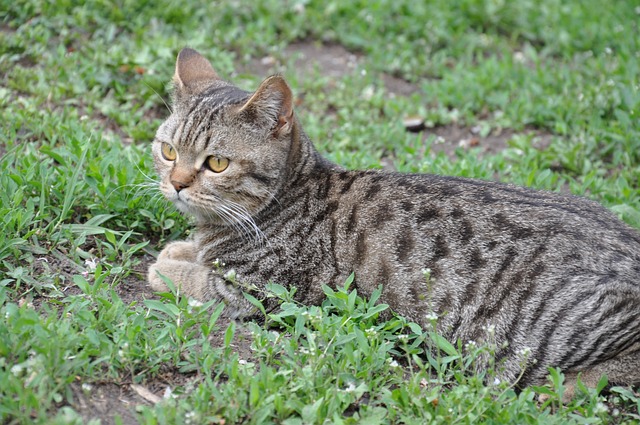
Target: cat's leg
[(177, 262), (621, 370)]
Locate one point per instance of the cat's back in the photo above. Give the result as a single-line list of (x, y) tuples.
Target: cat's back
[(477, 209)]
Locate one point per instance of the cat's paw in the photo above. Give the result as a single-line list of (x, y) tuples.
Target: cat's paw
[(155, 281), (180, 251), (189, 278)]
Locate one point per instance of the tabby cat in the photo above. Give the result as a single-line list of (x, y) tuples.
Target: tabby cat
[(554, 276)]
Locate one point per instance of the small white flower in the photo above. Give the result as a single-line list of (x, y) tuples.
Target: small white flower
[(470, 345), (17, 370), (368, 92), (230, 275), (490, 329), (403, 338), (194, 303), (91, 264), (242, 362), (393, 364), (350, 388), (496, 381), (601, 408), (431, 316), (525, 352), (86, 387), (168, 393)]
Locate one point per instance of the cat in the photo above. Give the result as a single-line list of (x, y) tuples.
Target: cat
[(555, 279)]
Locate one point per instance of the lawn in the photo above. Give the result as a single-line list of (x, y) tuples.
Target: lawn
[(539, 93)]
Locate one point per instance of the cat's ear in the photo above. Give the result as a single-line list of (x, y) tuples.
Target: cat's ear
[(272, 105), (193, 73)]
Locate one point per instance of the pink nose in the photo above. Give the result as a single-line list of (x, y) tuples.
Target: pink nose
[(178, 186)]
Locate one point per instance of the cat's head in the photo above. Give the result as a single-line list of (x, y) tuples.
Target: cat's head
[(222, 154)]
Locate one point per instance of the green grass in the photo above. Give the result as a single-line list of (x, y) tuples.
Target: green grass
[(81, 93)]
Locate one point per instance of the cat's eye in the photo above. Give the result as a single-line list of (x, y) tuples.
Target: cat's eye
[(168, 152), (217, 164)]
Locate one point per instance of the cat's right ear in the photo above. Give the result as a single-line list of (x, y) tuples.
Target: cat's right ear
[(193, 73)]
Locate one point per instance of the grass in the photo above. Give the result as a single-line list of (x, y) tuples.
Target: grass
[(81, 93)]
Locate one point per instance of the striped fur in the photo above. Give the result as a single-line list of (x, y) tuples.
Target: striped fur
[(557, 276)]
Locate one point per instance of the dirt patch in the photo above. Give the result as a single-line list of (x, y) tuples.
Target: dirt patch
[(448, 138), (107, 402), (332, 60)]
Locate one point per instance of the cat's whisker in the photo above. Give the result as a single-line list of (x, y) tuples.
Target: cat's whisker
[(237, 220), (161, 98), (272, 196), (245, 216), (150, 185), (236, 224)]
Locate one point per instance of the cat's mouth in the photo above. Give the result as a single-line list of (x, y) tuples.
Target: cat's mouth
[(183, 205), (187, 205)]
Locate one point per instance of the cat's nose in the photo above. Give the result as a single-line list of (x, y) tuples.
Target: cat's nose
[(178, 185)]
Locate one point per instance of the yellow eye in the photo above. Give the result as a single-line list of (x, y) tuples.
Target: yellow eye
[(217, 164), (168, 152)]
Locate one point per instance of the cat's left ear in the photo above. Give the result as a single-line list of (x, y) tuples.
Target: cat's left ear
[(272, 105)]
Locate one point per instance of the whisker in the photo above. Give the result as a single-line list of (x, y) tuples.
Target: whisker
[(238, 220), (230, 219), (256, 234), (161, 98)]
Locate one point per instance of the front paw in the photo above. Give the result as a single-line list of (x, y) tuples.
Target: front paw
[(180, 251), (188, 278), (156, 282)]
